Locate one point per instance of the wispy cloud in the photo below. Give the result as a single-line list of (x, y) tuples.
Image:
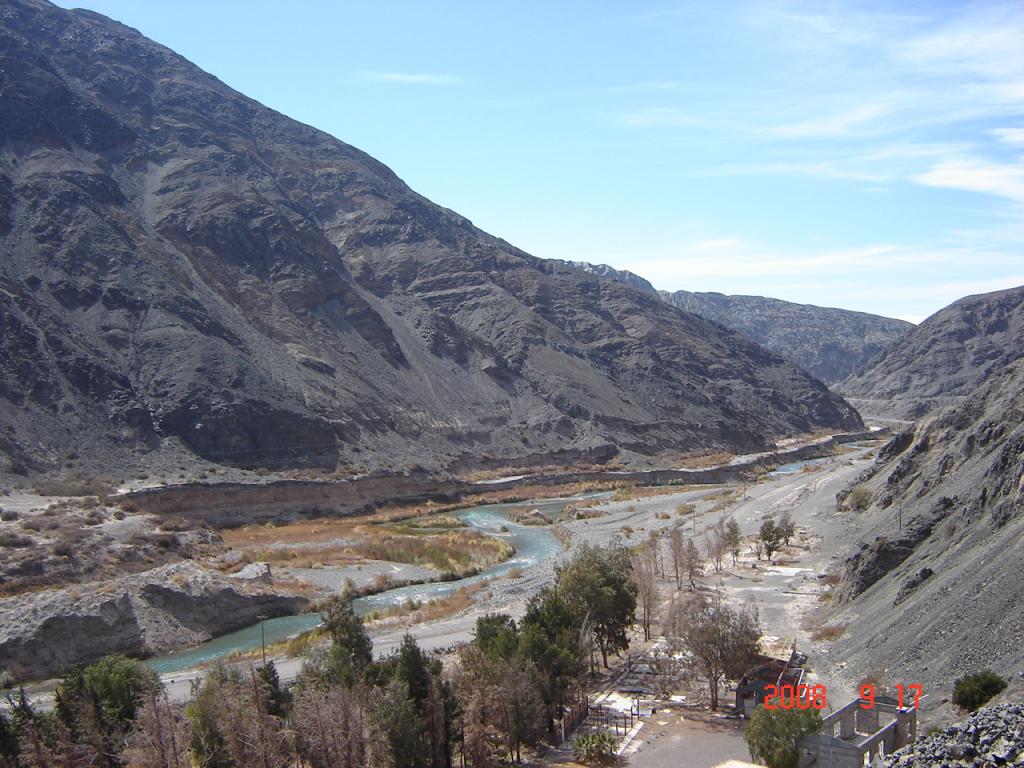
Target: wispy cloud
[(1002, 180), (830, 126), (1009, 135), (410, 78)]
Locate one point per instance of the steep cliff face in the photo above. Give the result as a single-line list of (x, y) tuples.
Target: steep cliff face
[(182, 266), (174, 606), (941, 595), (945, 358), (829, 343)]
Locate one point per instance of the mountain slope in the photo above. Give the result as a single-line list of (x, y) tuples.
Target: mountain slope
[(944, 358), (829, 343), (622, 275), (941, 596), (185, 267)]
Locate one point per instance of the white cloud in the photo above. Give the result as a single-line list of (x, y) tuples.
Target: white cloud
[(977, 176), (1009, 135), (409, 78)]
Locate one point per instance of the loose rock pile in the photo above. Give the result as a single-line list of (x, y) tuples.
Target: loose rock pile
[(993, 736)]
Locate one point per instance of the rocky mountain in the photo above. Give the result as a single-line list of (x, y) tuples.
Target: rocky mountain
[(829, 343), (945, 358), (934, 590), (622, 275), (185, 267)]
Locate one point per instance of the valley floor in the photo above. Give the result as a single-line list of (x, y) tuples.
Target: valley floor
[(787, 594)]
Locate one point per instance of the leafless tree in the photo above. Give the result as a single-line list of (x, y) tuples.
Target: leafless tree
[(692, 564), (645, 578), (678, 549), (714, 545), (786, 527), (161, 735), (724, 641), (733, 539), (330, 726)]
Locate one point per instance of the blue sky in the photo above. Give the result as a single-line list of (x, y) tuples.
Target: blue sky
[(862, 155)]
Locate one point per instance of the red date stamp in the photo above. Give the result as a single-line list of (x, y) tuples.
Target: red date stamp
[(816, 696)]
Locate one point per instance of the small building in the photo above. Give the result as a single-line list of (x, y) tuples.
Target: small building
[(853, 735), (776, 667)]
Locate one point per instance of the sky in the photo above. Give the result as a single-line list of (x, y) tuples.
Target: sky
[(865, 155)]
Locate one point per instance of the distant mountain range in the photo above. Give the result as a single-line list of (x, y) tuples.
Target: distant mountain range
[(829, 343), (944, 359), (185, 270)]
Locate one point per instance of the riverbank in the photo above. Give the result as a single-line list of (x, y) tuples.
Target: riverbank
[(631, 518), (229, 505)]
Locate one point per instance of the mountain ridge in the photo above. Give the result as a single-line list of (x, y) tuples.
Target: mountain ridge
[(828, 342), (187, 270), (945, 358)]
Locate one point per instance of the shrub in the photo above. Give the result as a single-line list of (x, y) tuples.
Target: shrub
[(594, 748), (772, 734), (78, 485), (14, 540), (8, 515), (829, 632), (859, 498), (684, 509), (972, 691)]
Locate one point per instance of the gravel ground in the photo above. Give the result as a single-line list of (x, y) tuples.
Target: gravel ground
[(333, 578), (810, 498), (992, 736)]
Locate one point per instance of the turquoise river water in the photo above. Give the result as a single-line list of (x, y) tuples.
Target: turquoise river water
[(533, 544)]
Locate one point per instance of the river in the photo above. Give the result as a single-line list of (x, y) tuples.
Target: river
[(533, 545)]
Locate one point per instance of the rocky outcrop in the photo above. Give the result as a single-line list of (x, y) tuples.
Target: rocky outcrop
[(936, 587), (992, 736), (829, 343), (944, 359), (186, 270), (622, 275), (44, 633)]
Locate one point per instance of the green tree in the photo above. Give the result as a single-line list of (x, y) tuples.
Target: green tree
[(413, 669), (549, 638), (8, 741), (497, 635), (398, 727), (786, 527), (347, 632), (773, 733), (276, 697), (597, 584), (971, 691), (208, 744), (770, 537), (115, 684)]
